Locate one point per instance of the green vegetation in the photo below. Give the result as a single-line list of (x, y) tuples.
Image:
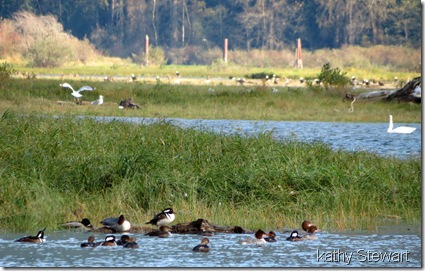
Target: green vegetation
[(333, 77), (190, 101), (51, 167)]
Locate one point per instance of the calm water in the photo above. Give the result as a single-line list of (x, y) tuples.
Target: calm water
[(62, 249), (371, 137)]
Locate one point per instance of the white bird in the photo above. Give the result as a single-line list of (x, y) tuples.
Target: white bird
[(399, 130), (98, 101), (74, 93)]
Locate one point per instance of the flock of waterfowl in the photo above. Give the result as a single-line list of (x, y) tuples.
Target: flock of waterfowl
[(119, 224)]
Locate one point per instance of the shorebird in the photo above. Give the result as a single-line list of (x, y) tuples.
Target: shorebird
[(98, 101), (75, 93)]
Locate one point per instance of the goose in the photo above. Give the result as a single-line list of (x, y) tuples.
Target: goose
[(400, 129), (77, 94)]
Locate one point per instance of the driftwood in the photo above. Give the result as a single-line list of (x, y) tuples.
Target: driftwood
[(202, 226), (407, 93)]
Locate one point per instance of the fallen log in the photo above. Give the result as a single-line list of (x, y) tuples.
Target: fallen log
[(201, 226), (408, 93)]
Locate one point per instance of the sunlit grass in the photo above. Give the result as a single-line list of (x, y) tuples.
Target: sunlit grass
[(52, 167)]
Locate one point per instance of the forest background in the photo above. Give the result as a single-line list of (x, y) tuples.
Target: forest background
[(193, 31)]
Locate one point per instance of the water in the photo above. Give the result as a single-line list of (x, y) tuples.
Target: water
[(62, 249), (370, 137)]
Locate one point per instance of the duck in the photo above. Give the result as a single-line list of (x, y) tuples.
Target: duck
[(39, 238), (90, 242), (123, 240), (163, 232), (271, 237), (163, 218), (400, 129), (294, 237), (203, 246), (83, 224), (131, 243), (118, 224), (109, 241), (259, 238)]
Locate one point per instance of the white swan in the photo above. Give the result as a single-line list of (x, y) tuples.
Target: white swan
[(74, 93), (399, 130)]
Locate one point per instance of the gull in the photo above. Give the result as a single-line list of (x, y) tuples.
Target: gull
[(98, 101), (74, 93)]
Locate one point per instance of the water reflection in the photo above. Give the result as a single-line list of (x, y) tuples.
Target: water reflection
[(62, 249)]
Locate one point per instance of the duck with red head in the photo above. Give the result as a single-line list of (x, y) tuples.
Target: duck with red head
[(203, 246), (271, 237), (118, 224), (259, 238)]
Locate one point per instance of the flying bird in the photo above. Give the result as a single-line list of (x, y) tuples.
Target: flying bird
[(77, 95)]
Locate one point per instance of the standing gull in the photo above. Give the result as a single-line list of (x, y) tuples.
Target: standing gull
[(98, 101)]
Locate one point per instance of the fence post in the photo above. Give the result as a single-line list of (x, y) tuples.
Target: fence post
[(299, 54), (147, 50), (225, 50)]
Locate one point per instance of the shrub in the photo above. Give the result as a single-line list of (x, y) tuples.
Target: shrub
[(6, 70), (333, 78)]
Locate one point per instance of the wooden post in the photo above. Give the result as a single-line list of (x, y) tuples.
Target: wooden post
[(299, 54), (147, 50), (225, 50)]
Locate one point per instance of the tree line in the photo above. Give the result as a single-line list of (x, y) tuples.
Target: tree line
[(119, 27)]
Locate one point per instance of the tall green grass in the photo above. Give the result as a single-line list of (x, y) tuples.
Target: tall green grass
[(51, 167)]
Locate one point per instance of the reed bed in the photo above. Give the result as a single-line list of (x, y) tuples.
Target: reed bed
[(62, 168)]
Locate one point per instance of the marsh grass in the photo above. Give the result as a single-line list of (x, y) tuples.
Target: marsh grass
[(191, 101), (52, 167)]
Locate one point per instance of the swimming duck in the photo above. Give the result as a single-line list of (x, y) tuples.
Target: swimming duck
[(163, 232), (39, 238), (84, 224), (294, 237), (203, 246), (163, 218), (118, 224), (123, 240), (271, 237), (109, 241), (259, 238), (308, 226), (131, 243), (90, 242)]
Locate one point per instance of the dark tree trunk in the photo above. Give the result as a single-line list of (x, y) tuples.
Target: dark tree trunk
[(405, 93)]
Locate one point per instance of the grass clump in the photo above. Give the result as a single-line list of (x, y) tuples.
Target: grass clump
[(51, 167)]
